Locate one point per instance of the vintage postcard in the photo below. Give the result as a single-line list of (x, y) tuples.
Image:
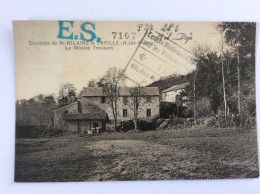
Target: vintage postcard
[(114, 101)]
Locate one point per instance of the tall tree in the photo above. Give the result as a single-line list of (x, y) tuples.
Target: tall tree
[(111, 82), (136, 94), (241, 37), (198, 53), (205, 82), (223, 77)]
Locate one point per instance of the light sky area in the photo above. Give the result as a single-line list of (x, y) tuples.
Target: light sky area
[(40, 69)]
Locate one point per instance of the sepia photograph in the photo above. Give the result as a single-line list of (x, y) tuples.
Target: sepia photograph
[(134, 100)]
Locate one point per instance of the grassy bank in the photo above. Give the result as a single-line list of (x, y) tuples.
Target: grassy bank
[(152, 155)]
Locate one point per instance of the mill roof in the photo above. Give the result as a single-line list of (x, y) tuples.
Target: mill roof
[(124, 91), (176, 87), (85, 116)]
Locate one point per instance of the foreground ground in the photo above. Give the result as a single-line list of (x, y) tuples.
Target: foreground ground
[(152, 155)]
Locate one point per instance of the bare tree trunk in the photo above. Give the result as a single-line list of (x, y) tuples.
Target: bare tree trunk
[(136, 97), (115, 116), (194, 98), (135, 121), (238, 84), (224, 89)]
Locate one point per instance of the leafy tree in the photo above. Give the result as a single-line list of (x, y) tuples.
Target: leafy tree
[(23, 102), (207, 81), (240, 36), (39, 98), (67, 94), (31, 101), (93, 83), (49, 99)]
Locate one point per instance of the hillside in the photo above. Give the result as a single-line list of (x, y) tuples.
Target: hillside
[(170, 81)]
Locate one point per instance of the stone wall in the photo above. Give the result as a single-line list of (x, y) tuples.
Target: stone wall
[(71, 127), (81, 126), (59, 114), (145, 103), (151, 102)]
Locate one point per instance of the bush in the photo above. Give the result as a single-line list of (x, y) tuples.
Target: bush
[(235, 121), (203, 108), (37, 131), (176, 123), (29, 131), (148, 125)]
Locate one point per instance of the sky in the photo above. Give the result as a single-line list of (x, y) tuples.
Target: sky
[(41, 69)]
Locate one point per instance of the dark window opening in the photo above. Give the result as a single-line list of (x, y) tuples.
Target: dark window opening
[(103, 99), (125, 100), (95, 125), (148, 99), (66, 112), (79, 107), (148, 112), (124, 112)]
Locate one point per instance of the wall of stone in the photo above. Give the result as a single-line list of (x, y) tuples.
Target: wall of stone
[(87, 125), (152, 103), (145, 103), (81, 126), (59, 114), (71, 126)]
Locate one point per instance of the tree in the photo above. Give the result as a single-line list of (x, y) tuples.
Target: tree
[(67, 94), (48, 99), (111, 82), (24, 102), (240, 36), (198, 53), (39, 98), (31, 101), (96, 82), (92, 83), (206, 81), (136, 94), (223, 77)]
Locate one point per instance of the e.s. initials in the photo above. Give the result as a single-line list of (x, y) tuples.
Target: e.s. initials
[(87, 31)]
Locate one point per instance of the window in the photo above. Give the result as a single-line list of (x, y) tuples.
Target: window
[(148, 99), (95, 125), (66, 112), (125, 100), (103, 99), (79, 107), (124, 112), (148, 112)]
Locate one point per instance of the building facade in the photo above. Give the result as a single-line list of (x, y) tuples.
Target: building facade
[(92, 110), (173, 94)]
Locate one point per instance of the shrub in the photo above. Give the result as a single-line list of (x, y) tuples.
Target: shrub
[(37, 131), (203, 108)]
